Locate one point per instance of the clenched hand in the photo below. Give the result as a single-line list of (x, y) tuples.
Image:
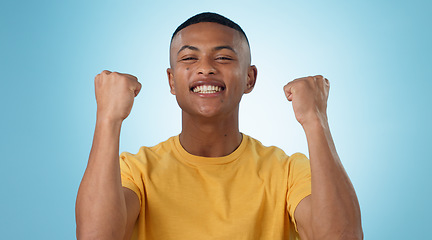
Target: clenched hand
[(309, 98), (115, 93)]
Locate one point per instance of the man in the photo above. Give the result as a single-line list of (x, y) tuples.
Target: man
[(211, 181)]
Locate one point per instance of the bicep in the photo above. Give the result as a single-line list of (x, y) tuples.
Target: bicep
[(303, 217), (133, 210)]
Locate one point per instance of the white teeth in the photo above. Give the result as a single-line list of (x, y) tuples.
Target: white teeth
[(206, 89)]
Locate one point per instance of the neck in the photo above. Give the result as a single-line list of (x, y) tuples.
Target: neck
[(210, 137)]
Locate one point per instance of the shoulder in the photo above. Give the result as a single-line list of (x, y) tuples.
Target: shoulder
[(265, 155), (146, 154), (298, 158), (257, 147)]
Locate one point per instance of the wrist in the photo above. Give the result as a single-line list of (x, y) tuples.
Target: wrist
[(318, 122), (105, 121)]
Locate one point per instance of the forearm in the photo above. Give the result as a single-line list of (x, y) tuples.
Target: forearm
[(100, 207), (334, 205)]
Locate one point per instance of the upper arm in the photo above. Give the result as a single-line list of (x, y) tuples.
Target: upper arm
[(303, 218), (133, 210)]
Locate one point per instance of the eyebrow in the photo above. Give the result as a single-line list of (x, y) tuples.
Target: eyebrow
[(225, 47), (215, 48), (188, 47)]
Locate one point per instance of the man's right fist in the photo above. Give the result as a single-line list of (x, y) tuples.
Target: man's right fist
[(115, 94)]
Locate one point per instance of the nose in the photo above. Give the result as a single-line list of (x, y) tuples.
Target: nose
[(206, 67)]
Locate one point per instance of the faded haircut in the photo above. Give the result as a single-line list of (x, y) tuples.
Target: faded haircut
[(210, 17)]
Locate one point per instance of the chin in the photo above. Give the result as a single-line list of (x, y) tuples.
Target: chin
[(208, 112), (203, 112), (207, 109)]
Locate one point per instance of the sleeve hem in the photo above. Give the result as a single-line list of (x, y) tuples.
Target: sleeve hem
[(132, 187), (295, 204)]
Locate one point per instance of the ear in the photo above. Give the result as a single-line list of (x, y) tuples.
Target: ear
[(251, 78), (171, 80)]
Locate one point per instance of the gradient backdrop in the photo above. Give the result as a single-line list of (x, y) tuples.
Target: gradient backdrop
[(376, 54)]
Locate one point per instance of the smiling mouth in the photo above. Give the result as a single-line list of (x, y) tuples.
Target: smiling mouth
[(206, 89)]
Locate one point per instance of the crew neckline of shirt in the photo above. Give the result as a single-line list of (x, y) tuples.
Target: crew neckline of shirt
[(199, 160)]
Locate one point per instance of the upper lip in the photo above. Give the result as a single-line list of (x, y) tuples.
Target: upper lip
[(211, 82)]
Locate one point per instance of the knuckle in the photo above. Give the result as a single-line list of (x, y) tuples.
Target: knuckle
[(97, 82), (312, 79), (132, 78), (304, 82)]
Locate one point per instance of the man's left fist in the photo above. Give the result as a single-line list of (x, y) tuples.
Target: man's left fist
[(309, 98)]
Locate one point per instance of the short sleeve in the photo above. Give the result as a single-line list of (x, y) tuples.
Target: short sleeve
[(299, 182), (129, 175)]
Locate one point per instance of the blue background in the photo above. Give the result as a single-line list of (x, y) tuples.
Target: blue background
[(376, 54)]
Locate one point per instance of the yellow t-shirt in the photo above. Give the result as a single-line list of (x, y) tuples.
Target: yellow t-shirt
[(250, 194)]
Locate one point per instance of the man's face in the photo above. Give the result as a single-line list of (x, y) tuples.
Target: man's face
[(210, 69)]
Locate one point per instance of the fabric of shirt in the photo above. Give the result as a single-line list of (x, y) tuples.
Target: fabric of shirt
[(249, 194)]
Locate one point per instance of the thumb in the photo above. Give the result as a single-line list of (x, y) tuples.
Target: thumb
[(137, 88), (288, 92)]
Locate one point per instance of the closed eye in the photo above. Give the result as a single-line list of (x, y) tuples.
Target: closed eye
[(224, 58), (188, 59)]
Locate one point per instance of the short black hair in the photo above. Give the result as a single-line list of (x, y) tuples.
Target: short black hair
[(210, 17)]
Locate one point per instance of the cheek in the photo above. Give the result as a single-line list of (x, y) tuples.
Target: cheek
[(181, 77), (240, 78)]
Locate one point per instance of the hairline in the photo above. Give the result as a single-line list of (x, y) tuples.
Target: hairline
[(242, 35)]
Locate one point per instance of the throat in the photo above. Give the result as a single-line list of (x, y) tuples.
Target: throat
[(210, 145), (210, 136)]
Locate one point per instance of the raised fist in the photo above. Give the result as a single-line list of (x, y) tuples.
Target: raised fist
[(309, 98), (115, 94)]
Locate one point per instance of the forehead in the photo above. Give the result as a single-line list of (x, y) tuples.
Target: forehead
[(207, 34)]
